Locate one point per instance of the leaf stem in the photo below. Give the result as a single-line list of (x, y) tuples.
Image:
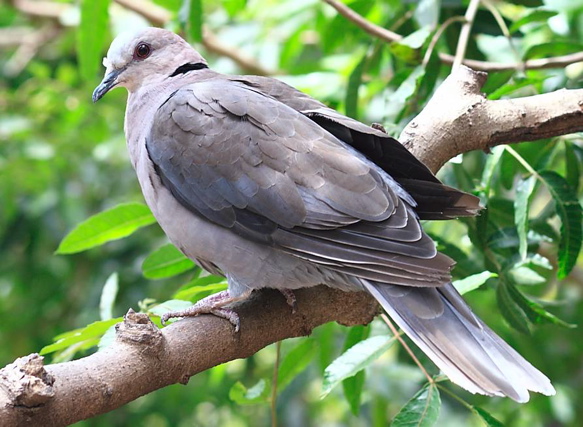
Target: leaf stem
[(397, 335)]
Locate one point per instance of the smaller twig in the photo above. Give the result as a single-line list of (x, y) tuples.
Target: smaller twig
[(13, 36), (462, 44), (29, 47), (397, 334), (46, 9), (273, 402), (249, 65), (365, 24), (437, 36)]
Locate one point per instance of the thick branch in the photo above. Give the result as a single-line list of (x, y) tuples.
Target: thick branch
[(144, 359), (459, 119)]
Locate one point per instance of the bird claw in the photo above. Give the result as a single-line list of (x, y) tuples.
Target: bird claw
[(213, 304)]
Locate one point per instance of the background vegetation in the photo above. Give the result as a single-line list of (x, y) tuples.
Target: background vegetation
[(63, 159)]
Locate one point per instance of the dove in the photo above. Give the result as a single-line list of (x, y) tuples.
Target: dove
[(258, 182)]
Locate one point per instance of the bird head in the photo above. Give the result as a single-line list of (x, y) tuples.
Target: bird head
[(143, 57)]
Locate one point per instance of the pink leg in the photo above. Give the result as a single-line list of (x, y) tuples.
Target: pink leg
[(213, 304)]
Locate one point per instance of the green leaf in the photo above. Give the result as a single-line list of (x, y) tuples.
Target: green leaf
[(539, 15), (166, 261), (295, 362), (407, 89), (112, 224), (533, 310), (492, 163), (421, 411), (107, 338), (353, 386), (170, 305), (195, 20), (497, 80), (189, 293), (574, 165), (90, 36), (543, 50), (510, 310), (408, 49), (354, 360), (524, 191), (242, 395), (91, 334), (569, 210), (108, 295), (473, 282), (488, 419), (354, 82)]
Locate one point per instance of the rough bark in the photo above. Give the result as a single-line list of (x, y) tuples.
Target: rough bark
[(143, 359)]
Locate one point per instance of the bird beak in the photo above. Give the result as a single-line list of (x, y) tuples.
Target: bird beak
[(108, 83)]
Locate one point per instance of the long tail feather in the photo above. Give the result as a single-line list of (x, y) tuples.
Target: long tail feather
[(440, 322)]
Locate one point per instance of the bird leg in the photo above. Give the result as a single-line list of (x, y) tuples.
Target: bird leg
[(213, 304)]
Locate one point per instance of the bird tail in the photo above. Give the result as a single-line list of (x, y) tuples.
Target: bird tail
[(440, 322)]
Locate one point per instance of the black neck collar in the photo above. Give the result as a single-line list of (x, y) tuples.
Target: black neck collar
[(185, 68)]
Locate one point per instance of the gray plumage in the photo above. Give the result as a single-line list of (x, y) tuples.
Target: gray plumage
[(258, 181)]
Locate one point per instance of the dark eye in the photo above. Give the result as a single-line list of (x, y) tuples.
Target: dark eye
[(142, 51)]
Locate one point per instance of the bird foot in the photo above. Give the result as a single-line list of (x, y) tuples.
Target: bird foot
[(290, 298), (213, 304)]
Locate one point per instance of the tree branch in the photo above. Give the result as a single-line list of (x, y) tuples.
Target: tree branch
[(144, 358), (457, 119)]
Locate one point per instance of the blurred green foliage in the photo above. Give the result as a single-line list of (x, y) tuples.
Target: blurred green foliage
[(63, 159)]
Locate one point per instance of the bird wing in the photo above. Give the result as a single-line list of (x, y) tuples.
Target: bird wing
[(247, 162), (434, 199)]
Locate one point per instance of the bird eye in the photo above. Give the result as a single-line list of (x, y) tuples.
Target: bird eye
[(142, 51)]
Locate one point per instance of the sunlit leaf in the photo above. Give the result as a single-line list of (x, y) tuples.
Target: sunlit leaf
[(473, 282), (408, 49), (91, 332), (492, 163), (353, 360), (242, 395), (166, 261), (539, 15), (421, 411), (190, 293), (525, 276), (170, 305), (108, 295), (524, 191), (112, 224)]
